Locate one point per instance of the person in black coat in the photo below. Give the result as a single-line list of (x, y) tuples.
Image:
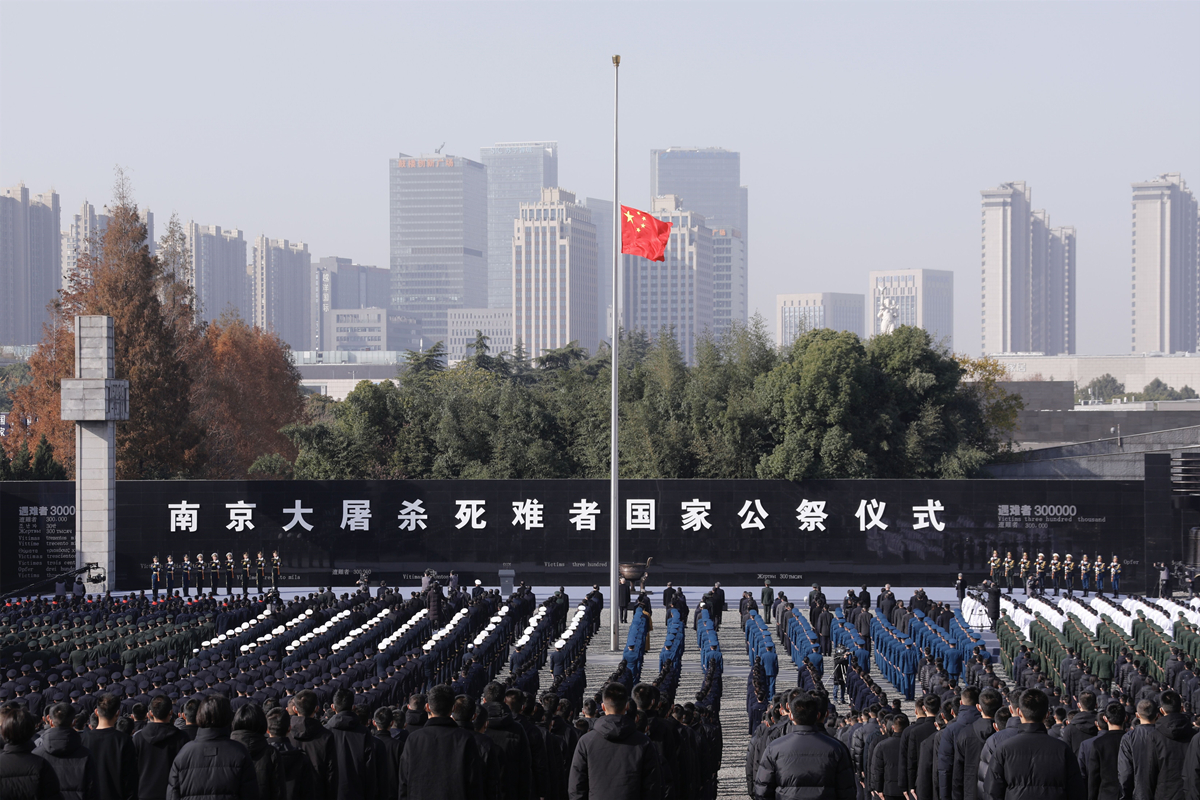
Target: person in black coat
[(112, 752), (916, 734), (1101, 765), (668, 595), (993, 603), (511, 741), (298, 777), (1171, 747), (64, 751), (805, 759), (969, 744), (156, 746), (1083, 725), (389, 748), (354, 749), (623, 599), (250, 731), (316, 741), (23, 775), (718, 606), (960, 587), (213, 767), (888, 771), (441, 760), (1033, 764), (614, 761)]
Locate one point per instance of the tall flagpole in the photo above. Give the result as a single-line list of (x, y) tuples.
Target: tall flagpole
[(614, 547)]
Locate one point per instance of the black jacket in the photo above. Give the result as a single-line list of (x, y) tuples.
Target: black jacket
[(298, 779), (509, 737), (213, 767), (614, 762), (910, 747), (64, 752), (888, 772), (24, 776), (266, 763), (316, 742), (926, 787), (356, 760), (805, 763), (156, 746), (115, 761), (1101, 767), (441, 762), (1033, 764), (967, 748), (387, 766), (1081, 728), (1170, 755)]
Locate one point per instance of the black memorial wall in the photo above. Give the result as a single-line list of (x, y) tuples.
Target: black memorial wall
[(840, 531)]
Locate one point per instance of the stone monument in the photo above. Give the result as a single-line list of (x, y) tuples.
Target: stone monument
[(889, 311), (96, 402)]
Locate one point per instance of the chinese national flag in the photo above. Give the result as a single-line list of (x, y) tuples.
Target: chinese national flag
[(643, 235)]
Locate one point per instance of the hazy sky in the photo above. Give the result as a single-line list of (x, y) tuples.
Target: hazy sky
[(866, 130)]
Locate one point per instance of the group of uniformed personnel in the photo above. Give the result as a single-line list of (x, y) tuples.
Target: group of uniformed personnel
[(1034, 576), (209, 573)]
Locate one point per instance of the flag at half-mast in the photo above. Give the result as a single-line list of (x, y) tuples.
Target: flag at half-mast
[(643, 235)]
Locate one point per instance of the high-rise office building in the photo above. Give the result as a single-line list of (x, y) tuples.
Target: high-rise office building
[(707, 180), (438, 238), (30, 262), (675, 293), (602, 218), (516, 173), (340, 283), (220, 271), (1027, 303), (554, 274), (465, 324), (796, 314), (1166, 266), (920, 297), (280, 290), (87, 228)]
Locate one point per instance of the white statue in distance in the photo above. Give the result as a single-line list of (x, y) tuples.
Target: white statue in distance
[(888, 313)]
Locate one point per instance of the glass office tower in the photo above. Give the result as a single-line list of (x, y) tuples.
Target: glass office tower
[(517, 173), (438, 238)]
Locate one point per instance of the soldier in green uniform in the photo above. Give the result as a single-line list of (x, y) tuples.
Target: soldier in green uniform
[(1009, 565)]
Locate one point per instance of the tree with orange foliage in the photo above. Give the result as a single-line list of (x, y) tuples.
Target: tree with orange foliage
[(247, 389), (203, 401)]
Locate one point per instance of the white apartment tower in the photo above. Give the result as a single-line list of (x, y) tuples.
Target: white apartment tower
[(280, 290), (797, 314), (30, 249), (1027, 302), (87, 228), (554, 280), (676, 293), (220, 274), (923, 298), (1166, 267)]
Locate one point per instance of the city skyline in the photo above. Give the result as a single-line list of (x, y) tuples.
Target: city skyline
[(889, 108)]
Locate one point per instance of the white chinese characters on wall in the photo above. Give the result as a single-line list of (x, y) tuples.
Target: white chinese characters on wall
[(696, 515)]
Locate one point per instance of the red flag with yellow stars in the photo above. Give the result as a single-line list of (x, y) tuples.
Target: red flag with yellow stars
[(643, 235)]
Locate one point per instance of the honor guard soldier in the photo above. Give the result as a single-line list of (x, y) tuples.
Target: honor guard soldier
[(276, 563), (1069, 575), (246, 567), (170, 574), (200, 573), (1039, 573), (1085, 574), (994, 566), (1026, 567), (1055, 571), (259, 571), (185, 574), (1009, 566), (155, 576), (229, 567), (214, 572), (1098, 571), (1114, 576)]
